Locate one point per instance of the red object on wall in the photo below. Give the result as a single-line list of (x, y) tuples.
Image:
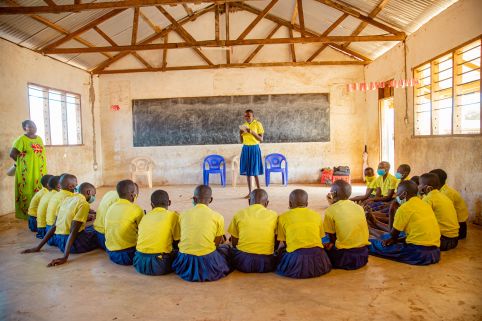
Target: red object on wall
[(326, 176), (115, 107)]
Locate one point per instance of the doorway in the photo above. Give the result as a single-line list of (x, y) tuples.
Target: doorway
[(387, 131)]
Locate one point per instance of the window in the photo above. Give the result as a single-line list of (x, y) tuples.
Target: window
[(56, 114), (447, 97)]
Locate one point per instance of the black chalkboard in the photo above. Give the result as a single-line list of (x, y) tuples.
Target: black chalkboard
[(216, 120)]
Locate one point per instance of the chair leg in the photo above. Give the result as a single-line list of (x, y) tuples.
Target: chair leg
[(266, 178), (149, 180), (205, 178)]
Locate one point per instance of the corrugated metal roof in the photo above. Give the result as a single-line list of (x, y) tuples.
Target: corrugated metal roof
[(26, 31)]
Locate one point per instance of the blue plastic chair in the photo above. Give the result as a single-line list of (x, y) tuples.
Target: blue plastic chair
[(273, 163), (214, 164)]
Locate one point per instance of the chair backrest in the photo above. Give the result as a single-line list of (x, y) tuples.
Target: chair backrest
[(214, 162), (275, 160), (141, 164)]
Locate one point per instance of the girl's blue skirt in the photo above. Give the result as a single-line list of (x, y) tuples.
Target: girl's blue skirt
[(122, 257), (304, 263), (209, 267), (253, 263), (101, 240), (448, 243), (53, 239), (405, 252), (41, 231), (32, 223), (154, 264), (85, 241), (348, 259), (251, 163)]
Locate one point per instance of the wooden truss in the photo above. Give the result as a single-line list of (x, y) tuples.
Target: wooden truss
[(219, 8)]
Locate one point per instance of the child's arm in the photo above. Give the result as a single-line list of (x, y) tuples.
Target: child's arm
[(259, 137), (234, 241), (380, 198), (42, 243), (361, 198), (218, 240), (74, 230), (328, 246), (393, 239)]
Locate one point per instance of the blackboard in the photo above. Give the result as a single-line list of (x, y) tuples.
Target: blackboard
[(216, 120)]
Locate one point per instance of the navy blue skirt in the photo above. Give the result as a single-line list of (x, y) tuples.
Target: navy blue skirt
[(253, 263), (101, 240), (41, 231), (209, 267), (448, 243), (462, 230), (85, 241), (53, 240), (154, 264), (348, 259), (304, 263), (251, 162), (122, 257), (32, 223), (405, 252)]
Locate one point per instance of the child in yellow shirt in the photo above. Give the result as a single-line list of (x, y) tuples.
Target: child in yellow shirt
[(370, 183), (417, 220), (253, 235), (301, 229), (347, 228), (34, 202), (54, 187), (108, 199), (158, 234), (201, 257), (456, 198)]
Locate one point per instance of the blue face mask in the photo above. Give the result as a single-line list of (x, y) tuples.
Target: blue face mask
[(398, 175), (91, 199), (193, 203), (77, 189), (400, 201), (380, 172)]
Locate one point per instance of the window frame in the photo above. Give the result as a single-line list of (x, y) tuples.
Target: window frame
[(63, 92), (452, 52)]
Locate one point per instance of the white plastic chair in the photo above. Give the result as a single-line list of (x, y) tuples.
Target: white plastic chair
[(142, 166), (234, 169)]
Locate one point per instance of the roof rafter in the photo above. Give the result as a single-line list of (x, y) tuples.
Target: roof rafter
[(301, 17), (260, 16), (326, 33), (257, 49)]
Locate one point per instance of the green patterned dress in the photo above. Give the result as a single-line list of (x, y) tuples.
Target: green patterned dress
[(31, 166)]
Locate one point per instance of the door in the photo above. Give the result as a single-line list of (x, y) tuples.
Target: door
[(387, 132)]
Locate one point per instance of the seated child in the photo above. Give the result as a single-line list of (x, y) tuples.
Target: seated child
[(121, 224), (417, 220), (301, 229), (253, 234), (33, 207), (385, 185), (108, 199), (415, 179), (67, 183), (347, 229), (200, 257), (157, 233), (370, 182), (456, 198), (443, 208), (54, 187)]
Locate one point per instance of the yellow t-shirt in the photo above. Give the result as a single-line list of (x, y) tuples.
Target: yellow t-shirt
[(54, 205), (417, 219), (444, 212), (42, 209), (199, 226), (385, 185), (107, 200), (255, 227), (121, 225), (157, 230), (459, 203), (300, 228), (347, 220), (398, 183), (255, 126), (34, 203), (73, 208), (371, 184)]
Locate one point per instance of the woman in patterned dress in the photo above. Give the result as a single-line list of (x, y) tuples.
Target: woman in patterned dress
[(28, 152)]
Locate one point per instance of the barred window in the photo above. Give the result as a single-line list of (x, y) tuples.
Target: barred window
[(57, 115)]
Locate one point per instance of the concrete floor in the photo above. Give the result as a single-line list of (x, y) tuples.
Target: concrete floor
[(90, 287)]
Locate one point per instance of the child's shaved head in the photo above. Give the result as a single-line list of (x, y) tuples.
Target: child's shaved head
[(298, 198), (407, 186), (369, 171), (160, 198), (54, 182), (203, 194), (258, 196), (68, 182), (430, 179), (384, 165), (442, 175), (126, 189), (45, 180), (84, 187), (342, 189)]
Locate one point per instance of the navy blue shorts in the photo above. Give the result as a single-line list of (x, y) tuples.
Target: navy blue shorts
[(32, 223), (348, 259), (304, 263), (405, 252), (101, 240), (85, 241), (209, 267), (41, 231), (122, 257), (251, 162), (448, 243), (253, 263), (154, 264), (53, 240)]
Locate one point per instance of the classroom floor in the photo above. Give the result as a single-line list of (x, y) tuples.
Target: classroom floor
[(90, 287)]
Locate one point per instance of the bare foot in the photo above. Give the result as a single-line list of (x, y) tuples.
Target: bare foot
[(246, 197)]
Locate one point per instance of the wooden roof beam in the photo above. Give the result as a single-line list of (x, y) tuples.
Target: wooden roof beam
[(50, 3), (102, 5), (260, 16), (255, 51), (301, 17), (226, 17), (326, 33), (135, 26)]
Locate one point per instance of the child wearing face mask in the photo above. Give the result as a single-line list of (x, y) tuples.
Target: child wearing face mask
[(443, 208), (371, 190), (417, 219), (385, 185)]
